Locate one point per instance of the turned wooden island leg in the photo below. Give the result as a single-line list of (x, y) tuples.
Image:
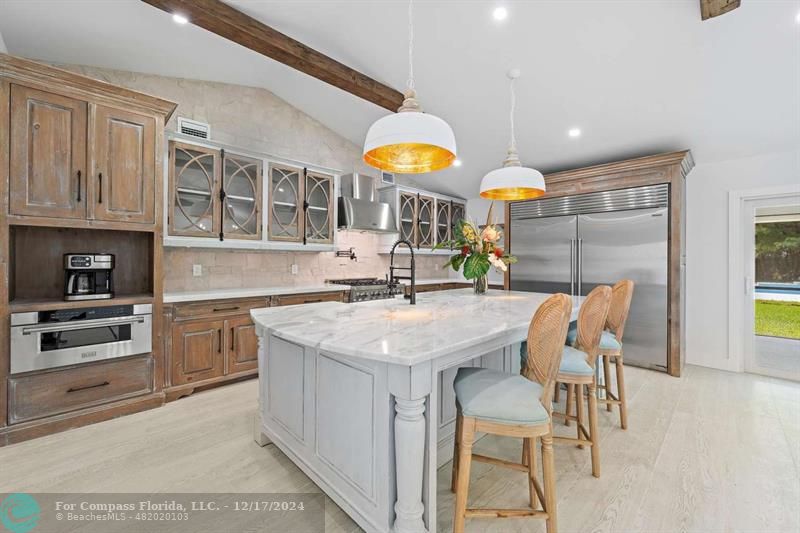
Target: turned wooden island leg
[(409, 442)]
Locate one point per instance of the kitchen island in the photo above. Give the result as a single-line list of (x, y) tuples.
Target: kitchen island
[(360, 397)]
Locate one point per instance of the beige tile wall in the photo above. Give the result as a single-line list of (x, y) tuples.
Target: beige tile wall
[(243, 269), (256, 119)]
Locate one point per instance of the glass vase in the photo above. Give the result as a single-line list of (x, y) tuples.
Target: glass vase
[(480, 284)]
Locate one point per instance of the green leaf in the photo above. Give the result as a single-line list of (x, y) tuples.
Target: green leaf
[(456, 261), (476, 266)]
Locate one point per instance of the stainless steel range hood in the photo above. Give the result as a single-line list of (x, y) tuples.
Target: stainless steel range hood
[(359, 208)]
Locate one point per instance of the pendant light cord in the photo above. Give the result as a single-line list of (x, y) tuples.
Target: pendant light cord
[(410, 82), (513, 144)]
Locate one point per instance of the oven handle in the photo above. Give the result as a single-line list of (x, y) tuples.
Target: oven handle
[(83, 324)]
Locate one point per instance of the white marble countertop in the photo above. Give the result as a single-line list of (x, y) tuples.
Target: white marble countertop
[(396, 332), (197, 296), (221, 294)]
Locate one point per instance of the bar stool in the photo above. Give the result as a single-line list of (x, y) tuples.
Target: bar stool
[(518, 406), (577, 370), (611, 347)]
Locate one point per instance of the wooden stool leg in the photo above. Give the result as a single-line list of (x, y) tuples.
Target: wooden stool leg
[(549, 475), (570, 395), (557, 393), (593, 434), (607, 378), (530, 448), (525, 451), (623, 405), (456, 439), (579, 410), (464, 463)]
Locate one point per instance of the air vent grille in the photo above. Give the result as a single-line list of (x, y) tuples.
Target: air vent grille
[(195, 129), (595, 202)]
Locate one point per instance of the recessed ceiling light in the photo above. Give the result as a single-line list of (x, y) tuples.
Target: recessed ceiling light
[(574, 132), (457, 163), (500, 13), (179, 19)]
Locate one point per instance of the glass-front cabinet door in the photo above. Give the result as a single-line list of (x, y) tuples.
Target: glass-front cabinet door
[(408, 217), (319, 202), (442, 221), (241, 211), (457, 214), (194, 184), (425, 221), (285, 203)]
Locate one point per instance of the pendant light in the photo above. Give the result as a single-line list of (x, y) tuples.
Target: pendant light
[(410, 141), (512, 181)]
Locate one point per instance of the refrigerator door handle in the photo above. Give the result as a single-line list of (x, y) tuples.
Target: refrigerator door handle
[(580, 266), (572, 267)]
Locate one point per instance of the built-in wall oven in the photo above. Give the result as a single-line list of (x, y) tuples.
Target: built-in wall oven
[(50, 339)]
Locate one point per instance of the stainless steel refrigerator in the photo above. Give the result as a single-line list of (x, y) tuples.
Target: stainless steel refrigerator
[(572, 244)]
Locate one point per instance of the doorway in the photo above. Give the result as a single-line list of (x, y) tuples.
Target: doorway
[(769, 331)]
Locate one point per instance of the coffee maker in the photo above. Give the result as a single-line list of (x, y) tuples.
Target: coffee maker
[(88, 276)]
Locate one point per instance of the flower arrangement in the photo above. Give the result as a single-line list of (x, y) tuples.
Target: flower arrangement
[(478, 251)]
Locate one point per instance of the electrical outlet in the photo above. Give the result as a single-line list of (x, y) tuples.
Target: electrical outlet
[(294, 270), (197, 270)]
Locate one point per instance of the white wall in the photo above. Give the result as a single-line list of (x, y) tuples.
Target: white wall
[(708, 187), (3, 48)]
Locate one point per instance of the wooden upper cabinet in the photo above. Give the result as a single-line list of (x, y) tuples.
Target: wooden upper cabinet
[(123, 166), (241, 181), (425, 222), (194, 186), (285, 203), (408, 217), (442, 221), (318, 207), (48, 154)]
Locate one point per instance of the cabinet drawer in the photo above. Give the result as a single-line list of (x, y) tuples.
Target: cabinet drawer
[(295, 299), (50, 393), (218, 308)]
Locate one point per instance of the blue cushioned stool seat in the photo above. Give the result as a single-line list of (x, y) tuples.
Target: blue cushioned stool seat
[(499, 397), (607, 340), (574, 362)]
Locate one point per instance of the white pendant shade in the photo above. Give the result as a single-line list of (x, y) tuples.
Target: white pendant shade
[(410, 142), (512, 183)]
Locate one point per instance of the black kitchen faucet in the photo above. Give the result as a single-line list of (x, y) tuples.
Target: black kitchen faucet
[(393, 279)]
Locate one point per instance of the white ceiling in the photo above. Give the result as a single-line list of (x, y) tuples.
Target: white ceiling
[(636, 77)]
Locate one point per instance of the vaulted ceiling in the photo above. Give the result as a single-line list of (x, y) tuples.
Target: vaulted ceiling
[(635, 77)]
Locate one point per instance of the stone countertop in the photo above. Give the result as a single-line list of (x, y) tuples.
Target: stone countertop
[(394, 331), (221, 294)]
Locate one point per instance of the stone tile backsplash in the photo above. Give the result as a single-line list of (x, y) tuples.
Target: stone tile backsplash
[(231, 269)]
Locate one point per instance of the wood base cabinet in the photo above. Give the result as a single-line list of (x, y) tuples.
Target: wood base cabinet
[(243, 345), (197, 351)]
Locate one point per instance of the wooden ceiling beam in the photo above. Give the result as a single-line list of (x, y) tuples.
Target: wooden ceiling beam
[(227, 22)]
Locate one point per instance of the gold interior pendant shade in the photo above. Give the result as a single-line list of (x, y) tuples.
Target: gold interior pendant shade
[(410, 141)]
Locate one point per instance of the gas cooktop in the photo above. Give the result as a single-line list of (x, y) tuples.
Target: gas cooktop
[(365, 289)]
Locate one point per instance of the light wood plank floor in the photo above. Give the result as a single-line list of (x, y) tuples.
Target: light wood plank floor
[(711, 451)]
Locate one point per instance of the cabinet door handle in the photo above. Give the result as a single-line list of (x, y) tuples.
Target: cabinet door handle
[(220, 309), (233, 341), (219, 340), (79, 186), (100, 188), (76, 389)]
